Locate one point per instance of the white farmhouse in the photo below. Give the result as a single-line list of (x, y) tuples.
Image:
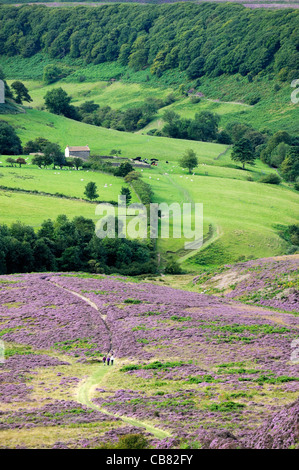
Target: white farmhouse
[(80, 152)]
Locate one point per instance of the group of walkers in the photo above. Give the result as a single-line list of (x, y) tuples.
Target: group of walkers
[(108, 359)]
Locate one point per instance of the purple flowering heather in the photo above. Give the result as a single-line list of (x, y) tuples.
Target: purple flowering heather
[(214, 370), (271, 282)]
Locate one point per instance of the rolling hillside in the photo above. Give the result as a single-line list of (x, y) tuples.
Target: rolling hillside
[(190, 370), (101, 140), (113, 334), (217, 183)]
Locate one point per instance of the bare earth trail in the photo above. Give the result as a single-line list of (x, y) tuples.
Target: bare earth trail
[(276, 317), (84, 394), (86, 387), (89, 302)]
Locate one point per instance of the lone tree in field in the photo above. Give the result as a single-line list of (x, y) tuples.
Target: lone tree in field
[(78, 162), (52, 153), (21, 161), (11, 161), (243, 152), (123, 169), (126, 192), (57, 101), (21, 92), (91, 191), (189, 160)]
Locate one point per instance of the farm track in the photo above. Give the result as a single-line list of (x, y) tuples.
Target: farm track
[(197, 245), (216, 234), (88, 385)]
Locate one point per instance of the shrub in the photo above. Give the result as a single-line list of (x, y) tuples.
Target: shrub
[(173, 267), (271, 178), (225, 406), (195, 99), (152, 132), (254, 100), (293, 75), (52, 73), (132, 441), (132, 301)]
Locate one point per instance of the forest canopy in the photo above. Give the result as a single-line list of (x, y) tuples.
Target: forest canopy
[(207, 39)]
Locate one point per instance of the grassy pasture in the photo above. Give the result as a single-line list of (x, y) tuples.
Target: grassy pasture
[(117, 95), (226, 96), (186, 109), (274, 110), (101, 141), (68, 182), (32, 209), (244, 213)]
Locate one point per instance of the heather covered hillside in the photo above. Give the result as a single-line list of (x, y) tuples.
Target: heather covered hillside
[(149, 236), (190, 369), (270, 282)]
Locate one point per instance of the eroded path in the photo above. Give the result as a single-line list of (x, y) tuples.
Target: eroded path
[(84, 395), (87, 386), (92, 304)]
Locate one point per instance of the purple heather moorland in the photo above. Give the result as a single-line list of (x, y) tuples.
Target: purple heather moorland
[(206, 369)]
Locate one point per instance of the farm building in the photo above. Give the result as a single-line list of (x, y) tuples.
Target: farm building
[(80, 152)]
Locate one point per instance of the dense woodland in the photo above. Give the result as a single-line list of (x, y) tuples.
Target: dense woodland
[(207, 39), (64, 245)]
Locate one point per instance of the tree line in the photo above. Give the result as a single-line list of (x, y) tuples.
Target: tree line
[(57, 101), (208, 39), (280, 151), (71, 245)]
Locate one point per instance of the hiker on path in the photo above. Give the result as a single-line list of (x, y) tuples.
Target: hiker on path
[(112, 359), (108, 360), (104, 360)]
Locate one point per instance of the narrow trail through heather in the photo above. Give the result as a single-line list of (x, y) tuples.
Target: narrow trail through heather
[(87, 386), (92, 304), (85, 391)]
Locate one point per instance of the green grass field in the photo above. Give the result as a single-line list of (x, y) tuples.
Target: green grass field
[(117, 95), (66, 181), (186, 109), (32, 209), (242, 214), (274, 111), (239, 215), (245, 213), (226, 96), (101, 141)]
